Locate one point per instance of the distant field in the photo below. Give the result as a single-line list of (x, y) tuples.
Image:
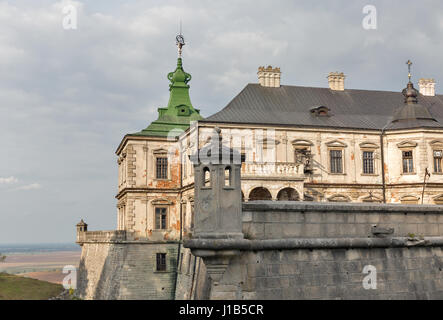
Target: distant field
[(14, 287), (45, 266)]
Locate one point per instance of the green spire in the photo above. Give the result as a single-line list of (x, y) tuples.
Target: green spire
[(179, 113)]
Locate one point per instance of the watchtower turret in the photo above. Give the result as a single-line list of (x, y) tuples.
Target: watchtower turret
[(217, 191)]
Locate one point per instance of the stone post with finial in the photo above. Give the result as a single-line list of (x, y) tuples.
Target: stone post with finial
[(218, 204)]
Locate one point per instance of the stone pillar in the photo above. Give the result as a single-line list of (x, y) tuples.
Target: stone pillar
[(218, 203), (217, 192)]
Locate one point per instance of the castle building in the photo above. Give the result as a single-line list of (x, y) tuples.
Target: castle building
[(297, 143)]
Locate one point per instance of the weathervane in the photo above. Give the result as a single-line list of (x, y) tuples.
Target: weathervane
[(180, 41), (409, 63)]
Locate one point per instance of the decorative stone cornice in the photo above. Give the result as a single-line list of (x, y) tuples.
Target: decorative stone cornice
[(407, 144), (302, 143), (436, 144), (336, 144), (162, 201), (368, 145)]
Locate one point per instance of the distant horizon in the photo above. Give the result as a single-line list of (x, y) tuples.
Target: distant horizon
[(7, 248)]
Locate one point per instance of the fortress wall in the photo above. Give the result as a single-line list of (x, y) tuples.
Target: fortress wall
[(192, 280), (319, 251), (124, 270), (402, 273), (280, 220)]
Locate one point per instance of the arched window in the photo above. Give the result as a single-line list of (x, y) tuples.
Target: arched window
[(228, 177), (288, 194), (260, 194), (206, 177)]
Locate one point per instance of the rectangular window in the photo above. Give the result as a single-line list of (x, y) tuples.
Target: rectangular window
[(408, 162), (161, 261), (368, 162), (438, 155), (160, 218), (336, 158), (162, 168)]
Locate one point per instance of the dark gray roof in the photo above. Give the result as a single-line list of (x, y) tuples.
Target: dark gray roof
[(292, 105)]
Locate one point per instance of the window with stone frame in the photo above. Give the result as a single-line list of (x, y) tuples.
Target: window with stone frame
[(161, 218), (408, 161), (336, 161), (438, 155), (161, 262), (161, 167), (368, 162)]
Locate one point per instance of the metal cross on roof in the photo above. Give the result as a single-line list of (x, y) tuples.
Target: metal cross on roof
[(180, 41), (409, 63)]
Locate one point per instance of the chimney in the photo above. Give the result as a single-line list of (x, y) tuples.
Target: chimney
[(427, 87), (269, 77), (336, 81)]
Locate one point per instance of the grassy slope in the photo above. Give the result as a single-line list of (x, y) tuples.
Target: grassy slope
[(19, 288)]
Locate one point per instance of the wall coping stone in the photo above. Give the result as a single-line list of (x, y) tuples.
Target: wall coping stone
[(315, 207), (326, 243)]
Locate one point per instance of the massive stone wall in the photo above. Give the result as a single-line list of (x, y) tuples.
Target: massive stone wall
[(402, 273), (125, 270), (291, 250), (192, 279), (319, 251)]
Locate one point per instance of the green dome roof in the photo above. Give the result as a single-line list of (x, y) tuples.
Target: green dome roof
[(179, 113)]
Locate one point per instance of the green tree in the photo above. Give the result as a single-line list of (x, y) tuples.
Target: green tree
[(2, 258)]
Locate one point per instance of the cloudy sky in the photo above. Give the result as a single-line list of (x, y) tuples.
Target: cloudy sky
[(67, 97)]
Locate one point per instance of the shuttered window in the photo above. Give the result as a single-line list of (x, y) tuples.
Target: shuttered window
[(336, 159), (368, 162), (162, 168), (408, 162), (161, 261)]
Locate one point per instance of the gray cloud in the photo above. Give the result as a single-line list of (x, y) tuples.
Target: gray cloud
[(67, 97)]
